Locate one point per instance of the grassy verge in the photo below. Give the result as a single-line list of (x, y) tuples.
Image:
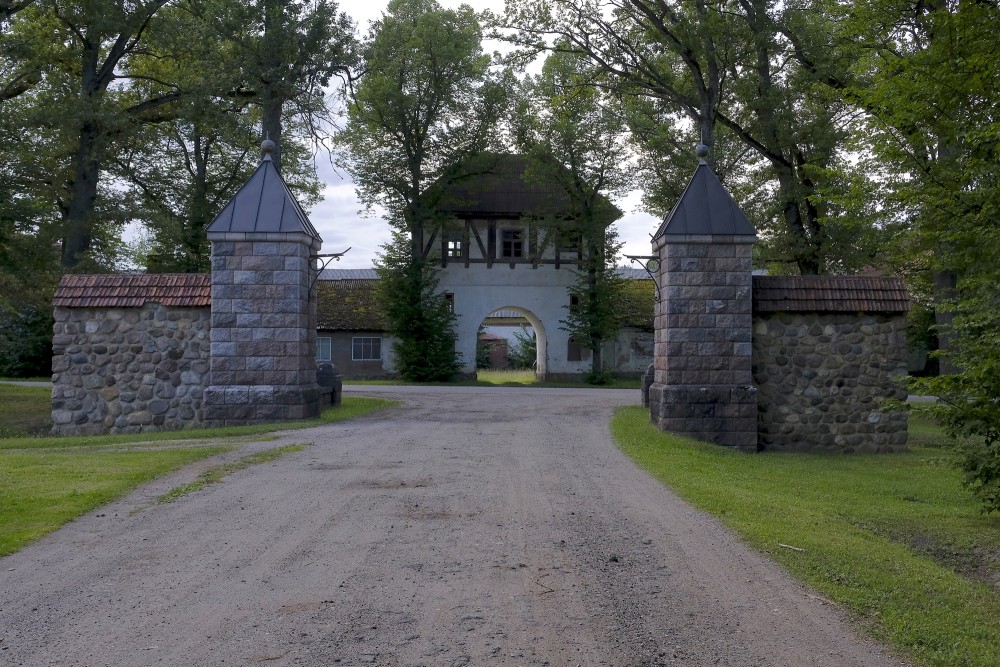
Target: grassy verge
[(24, 410), (894, 539), (352, 407), (216, 474), (42, 490), (47, 481)]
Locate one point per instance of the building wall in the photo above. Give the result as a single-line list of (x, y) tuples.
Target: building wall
[(129, 370), (631, 352), (539, 293), (821, 379), (263, 329), (341, 343)]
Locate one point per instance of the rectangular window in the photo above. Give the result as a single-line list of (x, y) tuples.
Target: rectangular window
[(577, 352), (512, 243), (365, 348), (324, 348), (454, 246)]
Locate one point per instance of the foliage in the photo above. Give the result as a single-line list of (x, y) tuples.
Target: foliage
[(419, 317), (755, 75), (524, 354), (890, 537), (968, 404), (930, 82), (426, 101)]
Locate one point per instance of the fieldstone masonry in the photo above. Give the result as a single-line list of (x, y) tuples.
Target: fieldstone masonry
[(823, 378), (810, 372), (128, 370)]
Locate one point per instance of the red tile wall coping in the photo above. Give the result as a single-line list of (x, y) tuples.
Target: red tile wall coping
[(829, 294), (133, 290)]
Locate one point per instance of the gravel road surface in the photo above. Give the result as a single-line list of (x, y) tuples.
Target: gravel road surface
[(470, 526)]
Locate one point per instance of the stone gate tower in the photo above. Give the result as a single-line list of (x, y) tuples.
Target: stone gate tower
[(702, 385), (263, 361)]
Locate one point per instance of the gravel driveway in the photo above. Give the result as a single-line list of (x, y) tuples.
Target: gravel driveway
[(470, 526)]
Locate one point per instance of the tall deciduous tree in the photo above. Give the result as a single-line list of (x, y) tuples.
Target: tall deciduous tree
[(931, 85), (82, 102), (577, 143), (425, 101), (726, 65)]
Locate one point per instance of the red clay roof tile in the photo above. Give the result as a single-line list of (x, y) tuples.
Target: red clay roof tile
[(133, 290), (839, 294)]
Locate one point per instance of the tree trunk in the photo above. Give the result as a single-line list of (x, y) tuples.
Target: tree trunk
[(79, 212)]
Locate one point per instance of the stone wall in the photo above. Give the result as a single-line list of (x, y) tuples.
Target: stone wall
[(821, 378), (128, 370)]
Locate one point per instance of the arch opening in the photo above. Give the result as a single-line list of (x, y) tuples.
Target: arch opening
[(512, 338)]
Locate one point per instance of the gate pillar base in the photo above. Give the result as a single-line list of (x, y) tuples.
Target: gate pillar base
[(722, 414)]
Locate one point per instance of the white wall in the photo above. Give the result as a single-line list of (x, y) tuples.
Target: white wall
[(540, 294)]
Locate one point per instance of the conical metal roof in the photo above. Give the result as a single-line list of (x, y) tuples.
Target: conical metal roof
[(263, 205), (705, 208)]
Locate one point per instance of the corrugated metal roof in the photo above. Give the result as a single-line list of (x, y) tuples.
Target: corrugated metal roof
[(133, 290), (348, 274), (836, 294), (264, 204), (705, 207)]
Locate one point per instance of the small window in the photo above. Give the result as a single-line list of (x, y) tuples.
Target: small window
[(453, 246), (365, 348), (324, 348), (577, 352), (512, 243)]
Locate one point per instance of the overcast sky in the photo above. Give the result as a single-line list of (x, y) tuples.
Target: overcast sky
[(337, 217)]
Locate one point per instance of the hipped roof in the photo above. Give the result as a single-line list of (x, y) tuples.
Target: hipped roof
[(705, 208), (503, 185), (264, 204)]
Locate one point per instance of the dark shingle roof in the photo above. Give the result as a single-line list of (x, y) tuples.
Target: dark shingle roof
[(263, 204), (705, 207), (349, 305), (831, 294), (133, 290), (502, 185)]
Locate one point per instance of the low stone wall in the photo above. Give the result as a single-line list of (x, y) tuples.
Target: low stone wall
[(129, 370), (821, 378)]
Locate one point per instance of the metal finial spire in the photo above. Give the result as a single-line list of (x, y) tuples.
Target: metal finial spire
[(266, 148), (701, 150)]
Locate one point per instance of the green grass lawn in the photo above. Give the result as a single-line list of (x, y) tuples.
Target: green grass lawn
[(893, 538), (47, 481), (24, 410)]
